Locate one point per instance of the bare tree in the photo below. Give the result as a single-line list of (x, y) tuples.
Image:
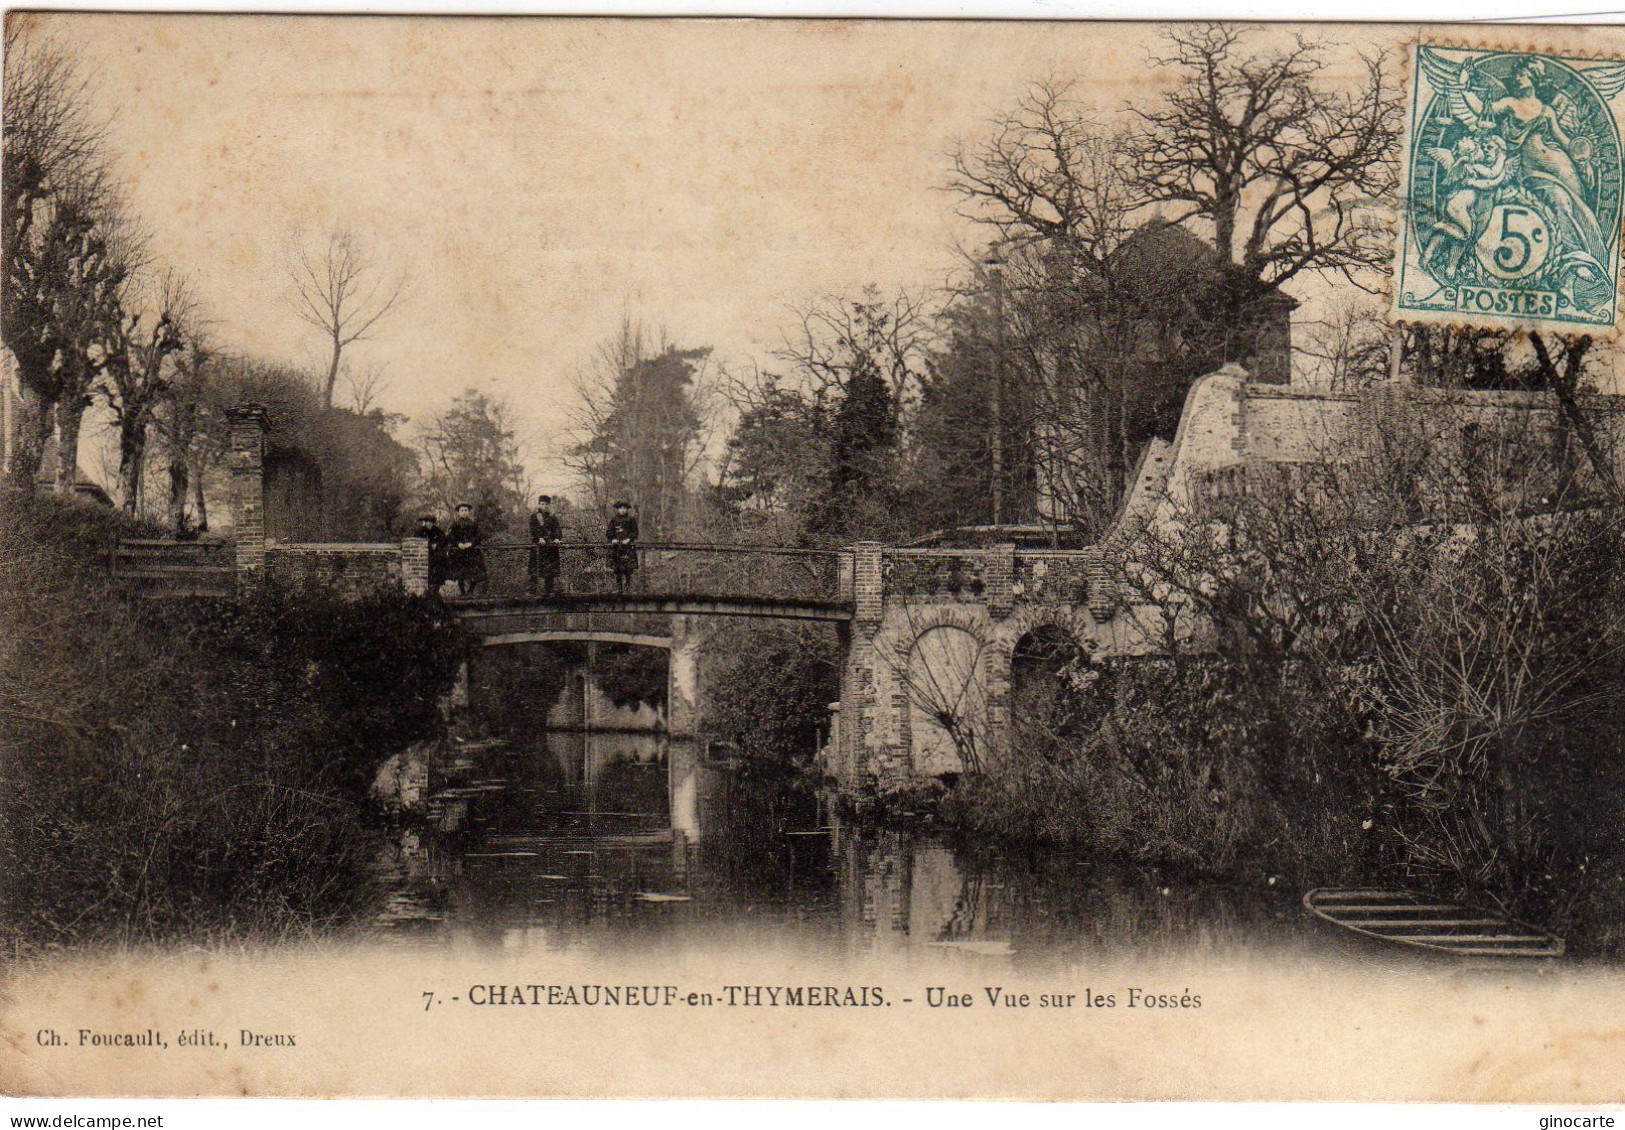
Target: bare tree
[(53, 178), (838, 339), (365, 386), (1051, 170), (93, 255), (342, 291), (152, 324), (1285, 169)]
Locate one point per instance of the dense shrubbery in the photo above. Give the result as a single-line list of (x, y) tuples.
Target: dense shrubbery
[(1192, 762), (631, 676), (1407, 665), (768, 689), (192, 769)]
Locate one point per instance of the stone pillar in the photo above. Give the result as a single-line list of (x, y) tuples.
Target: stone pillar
[(859, 715), (415, 565), (868, 594), (683, 680), (997, 672), (998, 577), (247, 462), (1102, 590)]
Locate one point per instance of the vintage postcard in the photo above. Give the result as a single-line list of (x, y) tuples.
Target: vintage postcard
[(811, 559)]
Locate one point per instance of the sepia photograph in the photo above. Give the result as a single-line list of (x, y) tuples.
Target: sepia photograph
[(811, 559)]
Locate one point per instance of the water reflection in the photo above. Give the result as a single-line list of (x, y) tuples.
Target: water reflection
[(613, 840)]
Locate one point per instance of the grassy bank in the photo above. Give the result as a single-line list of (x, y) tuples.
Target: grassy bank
[(191, 769)]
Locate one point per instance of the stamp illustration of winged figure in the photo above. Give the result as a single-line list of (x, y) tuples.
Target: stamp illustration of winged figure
[(1513, 195)]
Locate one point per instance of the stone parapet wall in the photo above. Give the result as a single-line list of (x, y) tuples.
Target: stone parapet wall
[(1056, 577), (931, 573), (351, 567)]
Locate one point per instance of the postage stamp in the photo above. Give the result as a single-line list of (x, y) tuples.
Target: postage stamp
[(1511, 210)]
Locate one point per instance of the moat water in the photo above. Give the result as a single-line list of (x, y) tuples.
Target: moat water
[(615, 841)]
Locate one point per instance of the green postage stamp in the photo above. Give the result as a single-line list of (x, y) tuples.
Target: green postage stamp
[(1511, 213)]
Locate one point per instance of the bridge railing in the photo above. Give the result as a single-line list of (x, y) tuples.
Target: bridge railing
[(680, 569), (935, 572)]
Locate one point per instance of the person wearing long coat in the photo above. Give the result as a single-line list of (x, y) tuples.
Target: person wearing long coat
[(622, 536), (465, 560), (545, 536)]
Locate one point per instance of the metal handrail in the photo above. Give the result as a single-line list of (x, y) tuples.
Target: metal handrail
[(678, 547), (921, 552)]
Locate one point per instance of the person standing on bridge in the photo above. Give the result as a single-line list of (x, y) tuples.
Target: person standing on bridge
[(429, 530), (465, 559), (545, 536), (622, 536)]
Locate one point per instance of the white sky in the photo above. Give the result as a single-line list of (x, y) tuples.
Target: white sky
[(539, 177)]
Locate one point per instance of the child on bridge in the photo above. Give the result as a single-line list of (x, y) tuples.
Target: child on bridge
[(622, 536)]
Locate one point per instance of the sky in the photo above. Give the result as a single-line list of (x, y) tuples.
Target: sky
[(538, 179)]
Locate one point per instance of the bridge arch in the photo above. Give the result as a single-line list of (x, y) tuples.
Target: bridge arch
[(1074, 621), (1035, 646)]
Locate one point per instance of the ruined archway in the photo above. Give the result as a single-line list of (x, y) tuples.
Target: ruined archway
[(1039, 663), (945, 681)]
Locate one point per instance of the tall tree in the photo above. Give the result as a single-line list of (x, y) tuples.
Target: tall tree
[(778, 455), (150, 326), (641, 419), (188, 435), (469, 455), (53, 179), (982, 360), (860, 362), (341, 290), (91, 258), (1284, 167)]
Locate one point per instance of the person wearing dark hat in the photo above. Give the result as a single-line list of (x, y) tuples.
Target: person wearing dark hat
[(429, 530), (465, 559), (622, 536), (545, 537)]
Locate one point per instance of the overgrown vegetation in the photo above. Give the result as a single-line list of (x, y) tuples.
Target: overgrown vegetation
[(192, 769), (1405, 659), (768, 689)]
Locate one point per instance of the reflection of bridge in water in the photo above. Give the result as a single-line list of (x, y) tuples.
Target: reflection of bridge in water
[(759, 859)]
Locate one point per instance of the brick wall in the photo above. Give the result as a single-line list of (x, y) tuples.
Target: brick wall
[(867, 584), (415, 565), (352, 568), (999, 574)]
